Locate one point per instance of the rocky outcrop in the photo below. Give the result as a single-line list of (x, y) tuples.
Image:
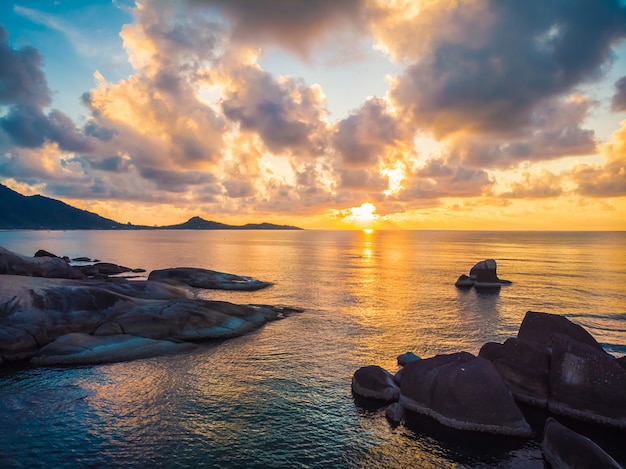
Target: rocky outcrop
[(374, 382), (524, 366), (540, 328), (482, 276), (407, 357), (83, 349), (587, 383), (565, 449), (80, 320), (209, 279), (463, 392), (42, 266)]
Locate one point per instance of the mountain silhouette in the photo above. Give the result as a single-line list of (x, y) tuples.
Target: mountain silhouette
[(36, 212)]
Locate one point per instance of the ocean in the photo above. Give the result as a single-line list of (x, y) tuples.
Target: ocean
[(280, 396)]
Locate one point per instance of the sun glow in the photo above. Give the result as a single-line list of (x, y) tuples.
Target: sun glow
[(362, 217)]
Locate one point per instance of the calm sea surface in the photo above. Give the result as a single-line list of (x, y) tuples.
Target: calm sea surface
[(280, 396)]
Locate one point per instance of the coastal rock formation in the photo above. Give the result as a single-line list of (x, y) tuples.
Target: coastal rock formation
[(540, 328), (587, 383), (83, 349), (47, 304), (209, 279), (482, 276), (42, 266), (374, 382), (463, 392), (563, 448), (407, 357), (524, 366)]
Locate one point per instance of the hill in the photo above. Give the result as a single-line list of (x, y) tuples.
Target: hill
[(37, 212)]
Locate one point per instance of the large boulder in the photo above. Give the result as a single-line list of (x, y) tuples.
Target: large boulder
[(462, 391), (374, 382), (81, 349), (204, 278), (586, 383), (485, 276), (524, 366), (43, 266), (540, 327), (565, 449)]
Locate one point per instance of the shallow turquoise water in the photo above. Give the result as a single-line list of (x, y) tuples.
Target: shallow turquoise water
[(280, 397)]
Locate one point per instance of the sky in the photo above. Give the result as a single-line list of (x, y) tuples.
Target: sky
[(383, 114)]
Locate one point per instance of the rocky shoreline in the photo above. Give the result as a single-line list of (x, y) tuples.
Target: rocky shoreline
[(55, 313), (553, 365)]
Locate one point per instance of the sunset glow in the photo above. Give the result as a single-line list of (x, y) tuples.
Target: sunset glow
[(341, 115)]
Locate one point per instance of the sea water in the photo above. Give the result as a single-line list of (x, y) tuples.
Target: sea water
[(280, 396)]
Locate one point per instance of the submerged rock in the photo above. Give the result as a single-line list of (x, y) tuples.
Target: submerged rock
[(463, 392), (210, 279), (374, 382), (564, 448), (82, 349), (407, 357)]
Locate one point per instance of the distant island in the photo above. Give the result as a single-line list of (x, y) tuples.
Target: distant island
[(36, 212)]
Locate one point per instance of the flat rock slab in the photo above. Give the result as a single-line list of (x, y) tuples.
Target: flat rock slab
[(209, 279), (83, 349)]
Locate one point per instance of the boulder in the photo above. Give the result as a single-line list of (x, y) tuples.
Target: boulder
[(374, 382), (586, 383), (464, 282), (540, 327), (81, 259), (564, 448), (463, 392), (107, 268), (407, 358), (395, 412), (204, 278), (524, 366), (43, 266), (81, 349), (190, 320), (44, 253), (484, 275), (622, 361), (109, 328)]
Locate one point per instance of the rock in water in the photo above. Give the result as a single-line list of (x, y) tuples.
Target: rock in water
[(375, 382), (564, 449), (407, 358), (462, 391), (395, 412), (42, 266), (524, 366), (541, 327), (464, 282), (82, 349), (586, 383), (484, 275), (210, 279)]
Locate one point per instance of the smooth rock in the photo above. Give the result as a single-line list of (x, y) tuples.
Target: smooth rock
[(81, 349), (395, 412), (541, 327), (464, 282), (565, 449), (48, 267), (463, 392), (81, 259), (210, 279), (109, 328), (586, 383), (407, 358), (524, 366), (375, 382), (44, 253)]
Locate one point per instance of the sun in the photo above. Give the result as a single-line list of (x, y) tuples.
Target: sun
[(362, 217)]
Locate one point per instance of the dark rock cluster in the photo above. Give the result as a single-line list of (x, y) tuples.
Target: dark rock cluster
[(552, 364), (52, 313), (482, 276)]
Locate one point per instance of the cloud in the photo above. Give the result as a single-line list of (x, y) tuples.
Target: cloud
[(300, 27), (486, 65), (618, 103), (608, 179), (535, 186), (22, 82)]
